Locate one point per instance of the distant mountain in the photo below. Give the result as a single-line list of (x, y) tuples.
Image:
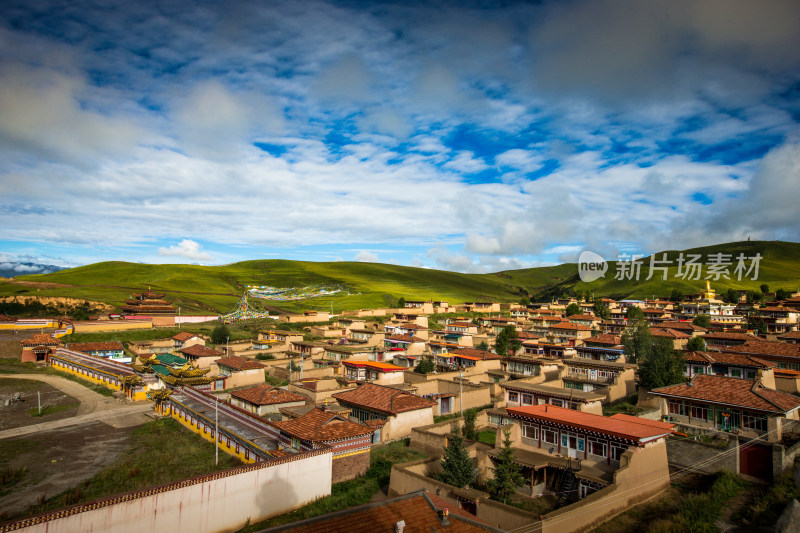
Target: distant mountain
[(10, 269), (202, 289)]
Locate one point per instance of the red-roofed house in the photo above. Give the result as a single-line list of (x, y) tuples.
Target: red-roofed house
[(264, 399), (729, 404), (373, 371), (319, 429), (110, 349), (184, 339), (39, 348), (724, 364), (201, 356), (236, 371), (401, 410), (576, 453)]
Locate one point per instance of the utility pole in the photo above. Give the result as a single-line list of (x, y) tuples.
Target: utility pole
[(461, 391), (179, 317), (216, 430), (301, 367), (39, 395), (227, 346)]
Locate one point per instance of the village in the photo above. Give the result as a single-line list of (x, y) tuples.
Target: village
[(567, 413)]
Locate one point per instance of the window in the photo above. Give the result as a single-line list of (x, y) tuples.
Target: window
[(513, 396), (701, 411), (549, 437), (675, 407), (564, 440), (295, 443), (759, 423), (530, 431), (527, 399), (598, 448), (557, 403), (617, 451), (736, 372)]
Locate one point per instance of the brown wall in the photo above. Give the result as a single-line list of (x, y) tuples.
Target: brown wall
[(349, 467)]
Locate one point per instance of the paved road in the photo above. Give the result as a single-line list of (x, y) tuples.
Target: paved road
[(93, 406)]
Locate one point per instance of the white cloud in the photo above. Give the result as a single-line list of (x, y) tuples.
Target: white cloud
[(187, 249), (366, 257)]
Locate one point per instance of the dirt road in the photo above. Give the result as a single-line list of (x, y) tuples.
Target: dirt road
[(93, 407)]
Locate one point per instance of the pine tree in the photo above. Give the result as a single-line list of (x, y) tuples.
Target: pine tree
[(468, 429), (508, 474), (457, 468)]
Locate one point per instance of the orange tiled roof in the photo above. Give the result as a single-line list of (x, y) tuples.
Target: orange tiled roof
[(790, 335), (184, 336), (604, 338), (404, 338), (264, 394), (479, 355), (374, 365), (419, 510), (730, 335), (322, 426), (239, 363), (39, 339), (727, 359), (621, 427), (668, 333), (732, 391), (571, 326), (681, 326), (767, 348), (201, 351), (384, 399), (95, 346)]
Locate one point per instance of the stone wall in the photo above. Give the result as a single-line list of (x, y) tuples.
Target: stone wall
[(704, 457), (350, 466)]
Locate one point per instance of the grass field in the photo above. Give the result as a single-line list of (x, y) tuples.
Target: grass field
[(160, 452), (216, 289)]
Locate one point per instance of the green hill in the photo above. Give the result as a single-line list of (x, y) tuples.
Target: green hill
[(199, 289)]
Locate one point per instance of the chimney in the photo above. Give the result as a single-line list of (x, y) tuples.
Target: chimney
[(442, 515), (398, 527)]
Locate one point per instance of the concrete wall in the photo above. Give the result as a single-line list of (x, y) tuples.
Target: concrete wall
[(217, 502), (111, 325), (786, 384), (400, 425)]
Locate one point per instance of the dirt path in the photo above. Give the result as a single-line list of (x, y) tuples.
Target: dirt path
[(91, 401)]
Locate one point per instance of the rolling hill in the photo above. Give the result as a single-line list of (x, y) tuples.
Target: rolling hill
[(199, 289)]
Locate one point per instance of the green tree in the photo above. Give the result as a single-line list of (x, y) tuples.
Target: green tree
[(468, 429), (425, 366), (483, 345), (457, 468), (573, 309), (696, 344), (783, 294), (601, 310), (660, 365), (401, 302), (524, 300), (731, 296), (704, 321), (755, 322), (677, 295), (507, 342), (755, 297), (220, 334), (764, 288), (507, 474), (634, 312), (636, 339)]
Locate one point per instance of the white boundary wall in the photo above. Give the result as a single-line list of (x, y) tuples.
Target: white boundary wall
[(213, 503)]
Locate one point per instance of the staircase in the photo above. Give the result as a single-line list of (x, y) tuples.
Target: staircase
[(568, 488)]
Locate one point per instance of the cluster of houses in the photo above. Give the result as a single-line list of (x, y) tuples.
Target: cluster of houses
[(355, 385)]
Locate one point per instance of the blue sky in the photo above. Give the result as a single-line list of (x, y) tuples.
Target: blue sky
[(466, 136)]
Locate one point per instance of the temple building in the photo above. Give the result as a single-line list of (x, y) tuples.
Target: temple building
[(148, 303)]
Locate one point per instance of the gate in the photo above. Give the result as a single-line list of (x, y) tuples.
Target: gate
[(756, 460)]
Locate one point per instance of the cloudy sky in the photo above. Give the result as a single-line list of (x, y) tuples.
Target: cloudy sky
[(464, 136)]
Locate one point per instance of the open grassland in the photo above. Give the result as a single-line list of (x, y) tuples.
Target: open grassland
[(216, 289), (160, 452)]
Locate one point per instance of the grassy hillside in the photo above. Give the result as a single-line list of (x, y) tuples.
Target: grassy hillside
[(199, 289)]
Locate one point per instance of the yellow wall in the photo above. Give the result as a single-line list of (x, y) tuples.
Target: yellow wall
[(230, 450), (111, 325), (137, 396)]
